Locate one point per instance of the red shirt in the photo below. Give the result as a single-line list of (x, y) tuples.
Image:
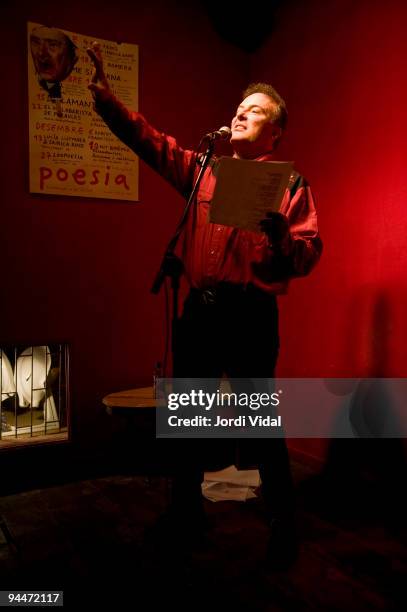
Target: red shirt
[(213, 253)]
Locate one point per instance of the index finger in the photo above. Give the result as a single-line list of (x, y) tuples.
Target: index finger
[(95, 55)]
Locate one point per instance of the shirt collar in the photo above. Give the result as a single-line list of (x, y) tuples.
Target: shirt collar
[(265, 157)]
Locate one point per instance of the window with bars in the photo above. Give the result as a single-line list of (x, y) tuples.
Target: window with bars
[(34, 393)]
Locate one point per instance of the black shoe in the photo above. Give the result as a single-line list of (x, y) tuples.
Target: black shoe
[(178, 528), (283, 547)]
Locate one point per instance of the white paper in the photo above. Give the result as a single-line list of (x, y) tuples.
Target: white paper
[(222, 491), (230, 484), (246, 190)]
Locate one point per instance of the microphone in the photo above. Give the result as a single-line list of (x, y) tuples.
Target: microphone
[(221, 134)]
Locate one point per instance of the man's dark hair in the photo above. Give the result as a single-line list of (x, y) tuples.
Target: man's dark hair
[(280, 114), (72, 48), (72, 54)]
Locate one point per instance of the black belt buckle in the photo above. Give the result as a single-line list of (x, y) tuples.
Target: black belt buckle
[(208, 296)]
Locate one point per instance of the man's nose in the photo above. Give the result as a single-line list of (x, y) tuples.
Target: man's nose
[(44, 49), (241, 114)]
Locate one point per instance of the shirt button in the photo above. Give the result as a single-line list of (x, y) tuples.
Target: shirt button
[(218, 229), (212, 252)]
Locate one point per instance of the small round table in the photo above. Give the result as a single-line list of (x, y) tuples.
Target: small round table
[(124, 402)]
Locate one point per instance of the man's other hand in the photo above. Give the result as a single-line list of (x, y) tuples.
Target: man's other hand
[(275, 225)]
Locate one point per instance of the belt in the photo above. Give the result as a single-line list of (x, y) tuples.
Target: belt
[(225, 291)]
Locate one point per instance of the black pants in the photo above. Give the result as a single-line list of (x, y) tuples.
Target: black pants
[(234, 331)]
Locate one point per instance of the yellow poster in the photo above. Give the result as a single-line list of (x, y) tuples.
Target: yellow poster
[(72, 152)]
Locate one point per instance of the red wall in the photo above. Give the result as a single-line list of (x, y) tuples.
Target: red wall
[(80, 270), (342, 65)]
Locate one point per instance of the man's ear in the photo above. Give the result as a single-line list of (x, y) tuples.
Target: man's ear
[(276, 132)]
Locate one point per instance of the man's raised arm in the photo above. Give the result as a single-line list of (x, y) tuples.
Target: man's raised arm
[(159, 151)]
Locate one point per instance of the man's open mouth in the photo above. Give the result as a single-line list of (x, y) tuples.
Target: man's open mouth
[(45, 66)]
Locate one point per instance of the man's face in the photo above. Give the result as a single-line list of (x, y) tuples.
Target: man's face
[(50, 53), (253, 131)]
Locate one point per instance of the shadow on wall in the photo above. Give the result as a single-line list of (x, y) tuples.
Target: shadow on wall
[(364, 475)]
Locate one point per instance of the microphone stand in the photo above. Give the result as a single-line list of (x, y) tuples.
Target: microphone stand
[(171, 265)]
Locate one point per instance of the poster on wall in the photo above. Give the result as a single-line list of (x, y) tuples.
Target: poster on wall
[(72, 152)]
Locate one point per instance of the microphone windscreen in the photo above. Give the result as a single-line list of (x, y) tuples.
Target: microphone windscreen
[(225, 131)]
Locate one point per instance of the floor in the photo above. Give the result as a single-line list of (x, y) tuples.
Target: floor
[(87, 538)]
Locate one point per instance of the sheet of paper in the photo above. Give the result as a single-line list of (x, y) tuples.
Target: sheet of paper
[(72, 151), (248, 478), (222, 491), (230, 484), (246, 190)]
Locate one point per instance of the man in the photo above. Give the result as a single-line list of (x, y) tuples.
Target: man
[(229, 323), (54, 56)]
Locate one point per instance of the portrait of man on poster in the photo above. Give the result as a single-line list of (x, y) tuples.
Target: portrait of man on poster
[(54, 56)]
